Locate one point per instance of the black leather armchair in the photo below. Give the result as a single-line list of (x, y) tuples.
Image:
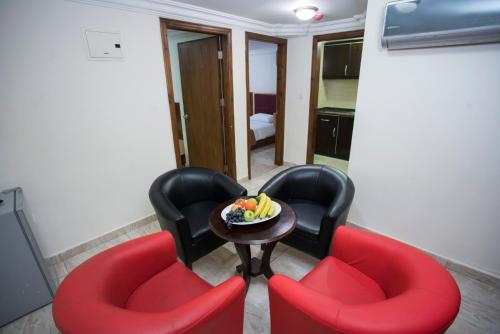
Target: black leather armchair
[(321, 198), (183, 199)]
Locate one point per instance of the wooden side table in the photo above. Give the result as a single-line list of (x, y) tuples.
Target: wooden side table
[(267, 234)]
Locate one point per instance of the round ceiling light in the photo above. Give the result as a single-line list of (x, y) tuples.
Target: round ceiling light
[(406, 7), (306, 12)]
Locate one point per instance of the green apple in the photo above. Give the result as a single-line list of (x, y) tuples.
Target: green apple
[(252, 200), (258, 198), (249, 215)]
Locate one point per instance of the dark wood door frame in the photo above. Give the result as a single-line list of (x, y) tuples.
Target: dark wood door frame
[(315, 70), (280, 96), (227, 74)]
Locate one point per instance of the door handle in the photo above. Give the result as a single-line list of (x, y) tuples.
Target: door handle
[(333, 132), (345, 70), (324, 119), (186, 116)]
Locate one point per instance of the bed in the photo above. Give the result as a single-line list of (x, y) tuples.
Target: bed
[(262, 120)]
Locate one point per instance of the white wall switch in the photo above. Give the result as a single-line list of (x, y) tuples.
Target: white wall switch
[(103, 45)]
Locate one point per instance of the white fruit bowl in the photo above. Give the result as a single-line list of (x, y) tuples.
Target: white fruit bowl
[(277, 211)]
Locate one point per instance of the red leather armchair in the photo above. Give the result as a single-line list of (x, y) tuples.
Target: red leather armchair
[(139, 287), (369, 284)]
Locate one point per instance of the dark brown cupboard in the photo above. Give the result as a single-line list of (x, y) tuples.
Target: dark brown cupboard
[(344, 137), (334, 135), (325, 134), (342, 61)]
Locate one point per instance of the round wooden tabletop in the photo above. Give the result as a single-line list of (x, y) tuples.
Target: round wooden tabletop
[(254, 234)]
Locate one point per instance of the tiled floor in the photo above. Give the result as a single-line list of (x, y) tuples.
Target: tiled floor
[(480, 311), (262, 160), (343, 165)]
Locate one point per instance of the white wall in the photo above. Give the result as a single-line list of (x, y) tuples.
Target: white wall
[(298, 86), (240, 102), (85, 139), (425, 156), (262, 70)]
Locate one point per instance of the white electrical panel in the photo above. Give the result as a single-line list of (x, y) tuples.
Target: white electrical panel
[(103, 45)]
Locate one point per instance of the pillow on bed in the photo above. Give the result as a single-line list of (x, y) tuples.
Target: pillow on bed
[(265, 118)]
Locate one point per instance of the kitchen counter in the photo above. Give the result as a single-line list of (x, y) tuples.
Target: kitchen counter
[(335, 112)]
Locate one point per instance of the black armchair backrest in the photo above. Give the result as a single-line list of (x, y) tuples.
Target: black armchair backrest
[(171, 192), (310, 182), (188, 185)]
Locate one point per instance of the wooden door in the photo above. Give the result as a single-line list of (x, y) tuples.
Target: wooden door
[(325, 135), (335, 61), (355, 60), (344, 137), (201, 94)]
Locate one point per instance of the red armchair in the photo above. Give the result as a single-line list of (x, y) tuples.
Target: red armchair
[(369, 284), (139, 287)]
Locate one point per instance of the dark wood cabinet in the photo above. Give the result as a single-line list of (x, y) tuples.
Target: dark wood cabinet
[(325, 134), (334, 135), (344, 137), (336, 61), (342, 61), (355, 60)]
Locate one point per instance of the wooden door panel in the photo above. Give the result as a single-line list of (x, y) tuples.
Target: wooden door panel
[(325, 135), (201, 92), (335, 61), (355, 60), (344, 137)]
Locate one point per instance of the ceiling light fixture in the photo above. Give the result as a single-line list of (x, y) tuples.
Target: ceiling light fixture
[(407, 6), (306, 12)]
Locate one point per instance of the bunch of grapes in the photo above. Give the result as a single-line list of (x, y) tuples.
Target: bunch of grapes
[(234, 217)]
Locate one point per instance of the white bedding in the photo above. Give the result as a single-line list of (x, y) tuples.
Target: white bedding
[(261, 129), (265, 118)]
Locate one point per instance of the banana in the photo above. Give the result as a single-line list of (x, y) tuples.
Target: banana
[(271, 209), (264, 203), (266, 208), (261, 204)]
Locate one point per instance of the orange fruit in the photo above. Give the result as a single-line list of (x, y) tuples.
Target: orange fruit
[(250, 205)]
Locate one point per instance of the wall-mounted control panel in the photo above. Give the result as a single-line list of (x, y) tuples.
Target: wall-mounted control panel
[(103, 45)]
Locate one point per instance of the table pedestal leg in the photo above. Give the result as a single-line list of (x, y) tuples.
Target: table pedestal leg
[(253, 266), (265, 267), (245, 266)]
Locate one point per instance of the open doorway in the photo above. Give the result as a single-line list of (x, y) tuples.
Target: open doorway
[(199, 83), (334, 84), (265, 74)]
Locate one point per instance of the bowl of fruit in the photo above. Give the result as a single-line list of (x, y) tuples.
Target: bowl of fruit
[(249, 211)]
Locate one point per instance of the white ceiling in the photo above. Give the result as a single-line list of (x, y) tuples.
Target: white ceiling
[(281, 11)]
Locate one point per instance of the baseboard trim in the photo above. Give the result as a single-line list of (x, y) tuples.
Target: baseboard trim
[(64, 255), (452, 265), (449, 264)]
